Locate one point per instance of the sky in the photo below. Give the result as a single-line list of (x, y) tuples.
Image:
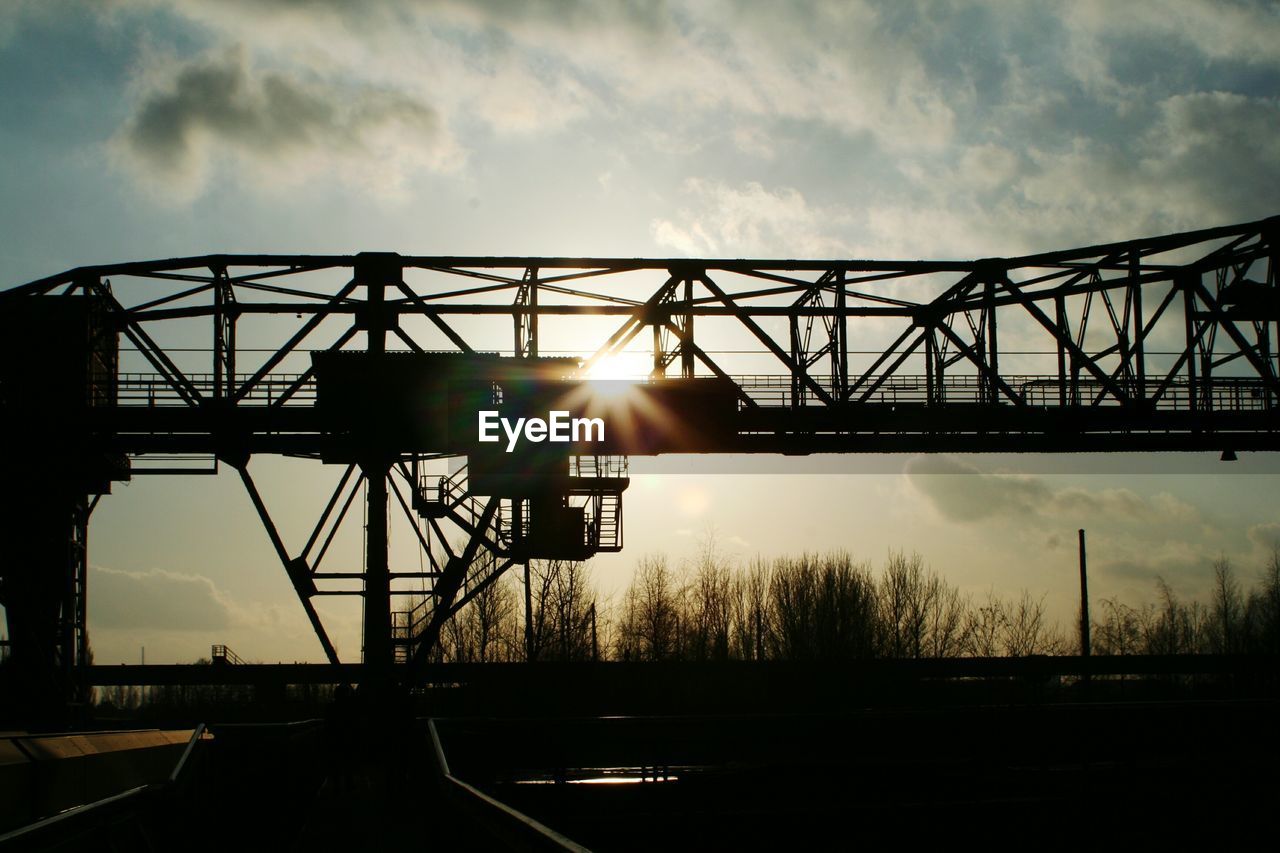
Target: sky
[(135, 129)]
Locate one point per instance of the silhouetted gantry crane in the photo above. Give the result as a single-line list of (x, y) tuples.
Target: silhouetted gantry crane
[(379, 363)]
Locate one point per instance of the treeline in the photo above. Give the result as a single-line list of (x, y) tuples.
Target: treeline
[(818, 607), (831, 607), (812, 607), (1233, 622)]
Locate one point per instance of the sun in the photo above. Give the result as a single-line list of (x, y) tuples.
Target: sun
[(612, 378), (612, 367)]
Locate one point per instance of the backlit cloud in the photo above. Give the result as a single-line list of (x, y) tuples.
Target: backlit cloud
[(962, 492), (157, 599), (279, 126), (751, 221), (897, 129)]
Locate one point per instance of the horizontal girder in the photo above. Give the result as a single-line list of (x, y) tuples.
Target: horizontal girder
[(1167, 343)]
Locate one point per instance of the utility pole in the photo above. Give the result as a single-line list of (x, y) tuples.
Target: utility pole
[(1084, 605), (528, 616), (595, 647)]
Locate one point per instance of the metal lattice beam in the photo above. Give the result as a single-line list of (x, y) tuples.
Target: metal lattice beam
[(1164, 343)]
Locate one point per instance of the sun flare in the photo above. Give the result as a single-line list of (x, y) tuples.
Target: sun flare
[(612, 367)]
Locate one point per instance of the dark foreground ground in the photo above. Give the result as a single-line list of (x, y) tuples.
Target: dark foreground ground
[(1063, 770)]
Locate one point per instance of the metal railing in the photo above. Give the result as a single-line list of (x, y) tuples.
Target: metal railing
[(221, 654), (152, 389), (605, 467), (1228, 393)]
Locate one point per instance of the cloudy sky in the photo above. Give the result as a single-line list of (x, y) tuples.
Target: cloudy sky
[(136, 129)]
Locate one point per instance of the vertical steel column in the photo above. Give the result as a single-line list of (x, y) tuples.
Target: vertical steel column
[(1139, 342), (1272, 237), (1060, 307), (929, 343), (377, 577), (930, 346), (993, 351), (526, 346), (74, 640), (44, 585), (533, 313), (1188, 311), (526, 315), (686, 334), (840, 341), (659, 355), (224, 335), (526, 319), (377, 272), (797, 357)]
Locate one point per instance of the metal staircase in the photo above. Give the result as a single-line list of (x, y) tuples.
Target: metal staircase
[(591, 487), (223, 656), (604, 523), (571, 515), (448, 496)]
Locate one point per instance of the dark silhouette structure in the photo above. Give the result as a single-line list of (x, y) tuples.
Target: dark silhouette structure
[(177, 367)]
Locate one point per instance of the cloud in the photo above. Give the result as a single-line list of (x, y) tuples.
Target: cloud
[(1215, 152), (177, 615), (538, 66), (1265, 537), (962, 492), (277, 125), (1206, 157), (859, 128), (1132, 538), (754, 142), (1216, 29), (158, 600), (975, 496), (1187, 571), (653, 17), (750, 221), (1202, 159)]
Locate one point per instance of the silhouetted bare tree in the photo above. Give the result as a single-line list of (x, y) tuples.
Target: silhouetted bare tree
[(1015, 628), (650, 627), (1175, 628), (1026, 630), (563, 608), (920, 614), (710, 599), (749, 604), (822, 608), (1262, 611), (793, 588), (1227, 610), (1122, 630), (485, 630), (984, 628)]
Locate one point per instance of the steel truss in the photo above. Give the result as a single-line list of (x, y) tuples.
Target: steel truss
[(1166, 343)]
